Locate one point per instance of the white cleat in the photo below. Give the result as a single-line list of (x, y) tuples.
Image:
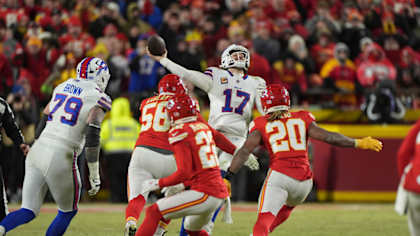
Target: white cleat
[(2, 230), (130, 228)]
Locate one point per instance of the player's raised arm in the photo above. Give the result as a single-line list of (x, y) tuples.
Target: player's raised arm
[(198, 78), (92, 147), (338, 139)]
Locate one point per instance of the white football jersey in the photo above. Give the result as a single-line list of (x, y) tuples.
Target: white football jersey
[(232, 98), (69, 108)]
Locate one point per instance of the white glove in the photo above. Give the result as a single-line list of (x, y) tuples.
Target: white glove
[(172, 190), (94, 178), (150, 185), (252, 162)]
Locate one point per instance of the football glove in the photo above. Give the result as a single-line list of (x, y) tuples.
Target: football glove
[(368, 143), (252, 162), (94, 178), (150, 185), (172, 190)]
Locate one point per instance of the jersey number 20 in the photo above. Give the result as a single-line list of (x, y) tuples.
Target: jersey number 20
[(72, 108), (294, 128)]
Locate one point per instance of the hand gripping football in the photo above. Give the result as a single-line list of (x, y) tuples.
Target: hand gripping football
[(156, 45)]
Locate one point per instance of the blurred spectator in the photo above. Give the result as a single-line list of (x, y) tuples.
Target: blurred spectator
[(290, 73), (118, 138), (279, 8), (190, 53), (35, 61), (353, 30), (169, 31), (118, 67), (236, 7), (339, 73), (150, 13), (221, 45), (6, 75), (259, 66), (322, 21), (298, 48), (10, 48), (363, 43), (323, 50), (392, 47), (135, 25), (212, 33), (75, 40), (264, 44), (375, 67), (26, 115), (96, 28), (145, 71)]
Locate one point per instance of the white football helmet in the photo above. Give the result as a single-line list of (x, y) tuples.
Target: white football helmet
[(229, 62), (95, 70)]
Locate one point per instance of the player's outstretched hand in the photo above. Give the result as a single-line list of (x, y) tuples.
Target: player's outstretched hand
[(95, 185), (150, 185), (369, 143), (25, 148), (252, 162), (172, 190), (157, 58)]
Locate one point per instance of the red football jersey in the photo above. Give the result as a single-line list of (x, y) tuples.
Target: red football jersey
[(287, 143), (196, 157), (154, 122), (409, 153)]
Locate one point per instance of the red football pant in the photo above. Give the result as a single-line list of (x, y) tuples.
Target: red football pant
[(134, 207), (281, 217)]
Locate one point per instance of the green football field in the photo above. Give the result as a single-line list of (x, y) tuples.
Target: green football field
[(306, 219)]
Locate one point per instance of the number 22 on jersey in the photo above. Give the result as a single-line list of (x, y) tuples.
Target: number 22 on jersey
[(72, 108), (294, 129), (207, 151)]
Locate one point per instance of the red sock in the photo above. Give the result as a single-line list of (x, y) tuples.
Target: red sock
[(281, 217), (134, 207), (150, 222), (197, 233), (263, 223)]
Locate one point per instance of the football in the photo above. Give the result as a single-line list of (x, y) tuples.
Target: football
[(156, 45)]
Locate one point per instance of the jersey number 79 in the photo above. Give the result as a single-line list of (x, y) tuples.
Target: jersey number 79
[(72, 108)]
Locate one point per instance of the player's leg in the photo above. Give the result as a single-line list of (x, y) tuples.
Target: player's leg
[(145, 164), (33, 193), (185, 203), (224, 162), (298, 191), (414, 213), (65, 185), (272, 198)]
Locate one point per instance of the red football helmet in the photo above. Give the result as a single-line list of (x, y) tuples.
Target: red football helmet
[(171, 83), (181, 106), (275, 98)]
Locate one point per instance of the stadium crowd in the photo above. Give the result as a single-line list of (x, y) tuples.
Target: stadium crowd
[(331, 53)]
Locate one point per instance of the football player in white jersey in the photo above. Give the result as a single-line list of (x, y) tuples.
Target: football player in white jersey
[(232, 94), (71, 120)]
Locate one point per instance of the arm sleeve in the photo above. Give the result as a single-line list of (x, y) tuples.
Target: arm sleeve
[(222, 142), (10, 126), (183, 157), (199, 79), (407, 148)]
